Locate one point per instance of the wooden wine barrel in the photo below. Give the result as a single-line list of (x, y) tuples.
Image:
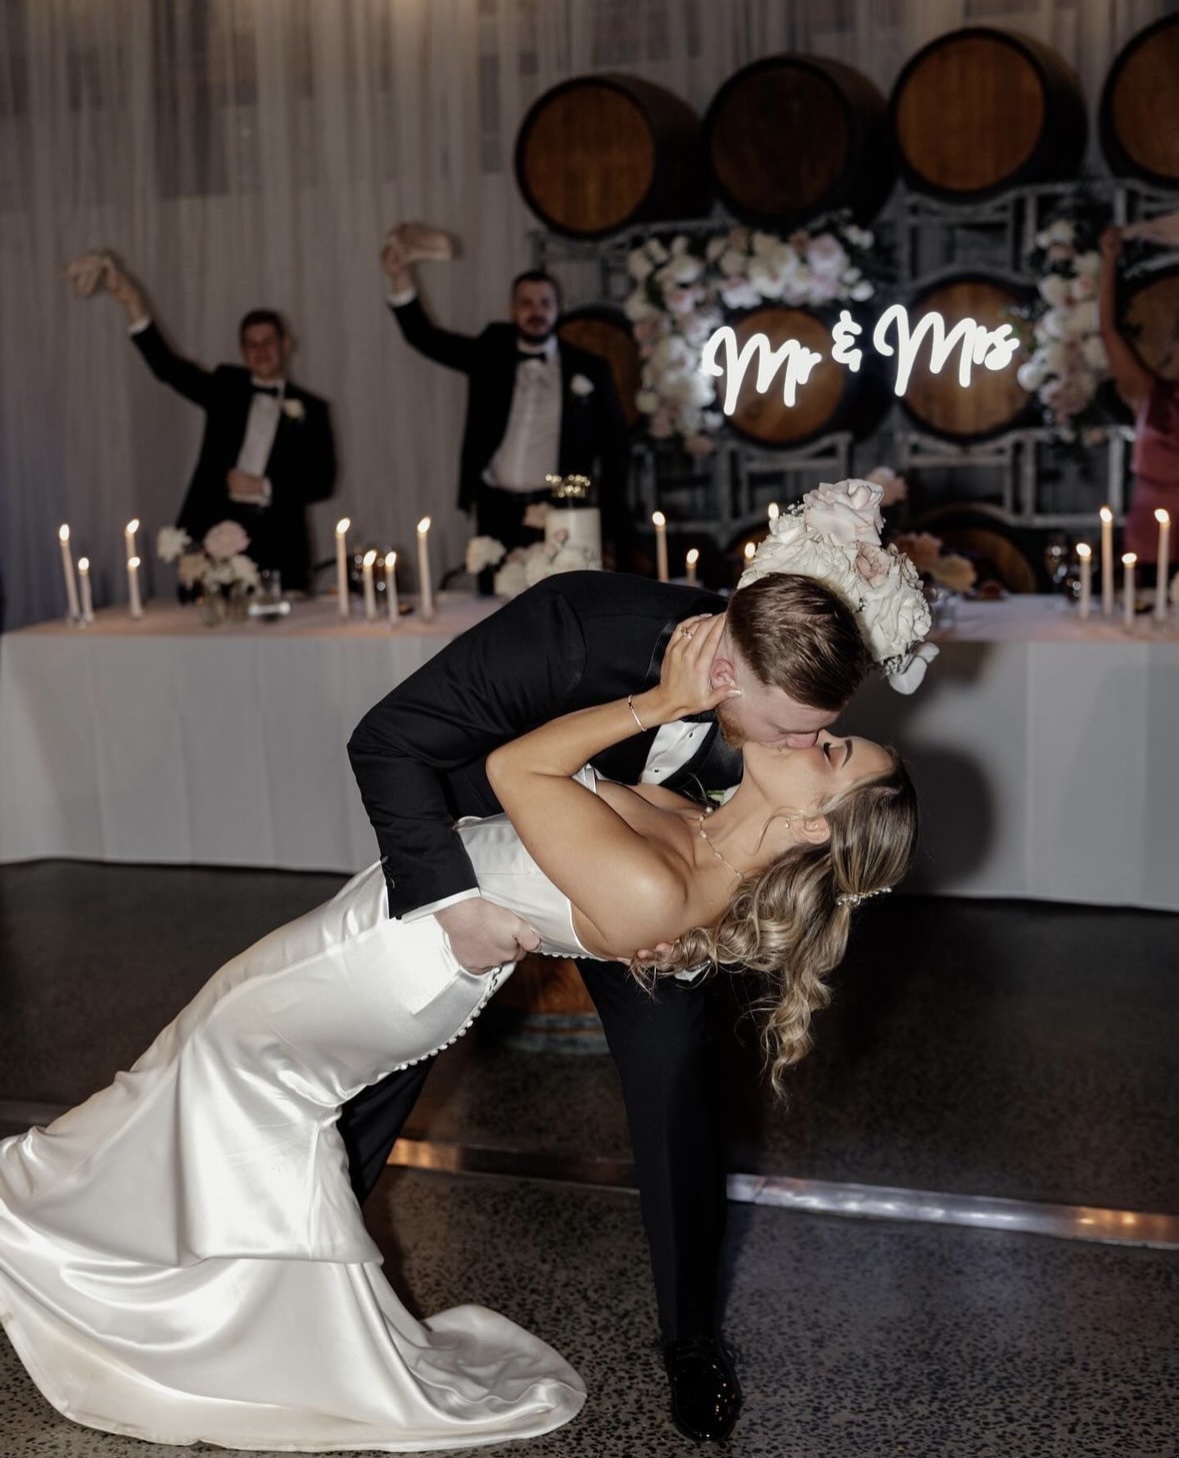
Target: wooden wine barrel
[(1150, 309), (981, 110), (598, 153), (831, 399), (606, 331), (995, 402), (1138, 121), (790, 137), (544, 1008)]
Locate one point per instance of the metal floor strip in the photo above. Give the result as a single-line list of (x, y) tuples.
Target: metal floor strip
[(825, 1197)]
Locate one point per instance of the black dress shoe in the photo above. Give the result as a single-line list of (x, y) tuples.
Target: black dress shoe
[(705, 1393)]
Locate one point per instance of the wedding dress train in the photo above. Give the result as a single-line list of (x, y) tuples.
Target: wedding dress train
[(182, 1258)]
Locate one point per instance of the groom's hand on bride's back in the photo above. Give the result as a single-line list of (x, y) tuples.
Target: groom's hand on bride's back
[(483, 935)]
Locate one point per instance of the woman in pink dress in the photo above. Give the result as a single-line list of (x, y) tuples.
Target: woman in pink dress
[(1154, 400)]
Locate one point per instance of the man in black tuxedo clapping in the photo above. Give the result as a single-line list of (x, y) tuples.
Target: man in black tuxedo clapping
[(267, 450)]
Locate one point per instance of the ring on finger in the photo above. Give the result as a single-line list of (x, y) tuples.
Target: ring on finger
[(687, 632)]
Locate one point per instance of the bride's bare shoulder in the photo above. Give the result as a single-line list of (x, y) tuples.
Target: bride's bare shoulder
[(655, 795)]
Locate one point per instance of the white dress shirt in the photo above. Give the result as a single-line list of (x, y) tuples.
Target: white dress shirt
[(530, 448)]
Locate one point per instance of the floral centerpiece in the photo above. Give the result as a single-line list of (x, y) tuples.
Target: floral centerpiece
[(938, 567), (833, 535), (524, 566), (1068, 361), (682, 288), (218, 571)]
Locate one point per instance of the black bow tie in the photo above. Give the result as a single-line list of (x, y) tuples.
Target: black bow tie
[(524, 355), (275, 390)]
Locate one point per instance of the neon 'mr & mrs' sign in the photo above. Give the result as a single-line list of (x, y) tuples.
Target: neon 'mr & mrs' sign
[(977, 346)]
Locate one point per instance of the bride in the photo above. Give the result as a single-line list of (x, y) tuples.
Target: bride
[(181, 1257)]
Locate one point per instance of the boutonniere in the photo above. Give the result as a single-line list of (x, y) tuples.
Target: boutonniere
[(293, 409), (580, 386)]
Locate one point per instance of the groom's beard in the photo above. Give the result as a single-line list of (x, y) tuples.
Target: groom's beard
[(729, 722)]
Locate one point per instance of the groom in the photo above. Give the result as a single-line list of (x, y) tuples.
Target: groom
[(797, 656)]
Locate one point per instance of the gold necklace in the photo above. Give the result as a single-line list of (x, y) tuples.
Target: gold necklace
[(704, 837)]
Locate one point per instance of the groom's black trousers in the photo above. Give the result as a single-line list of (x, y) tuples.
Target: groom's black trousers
[(666, 1049)]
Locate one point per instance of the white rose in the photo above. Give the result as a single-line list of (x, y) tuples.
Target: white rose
[(896, 616), (764, 244), (1086, 317), (686, 269), (847, 512), (638, 265), (1094, 355), (170, 542), (637, 306), (510, 580), (1053, 357), (581, 386), (191, 568), (825, 256), (1031, 375), (732, 261), (244, 570), (657, 251), (739, 294), (861, 291), (293, 409), (1088, 265), (1062, 231), (767, 280), (647, 401), (1054, 289), (483, 552)]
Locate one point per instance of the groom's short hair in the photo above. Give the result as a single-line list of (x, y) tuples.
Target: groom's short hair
[(797, 635)]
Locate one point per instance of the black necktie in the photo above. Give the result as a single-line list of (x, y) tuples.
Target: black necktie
[(274, 390)]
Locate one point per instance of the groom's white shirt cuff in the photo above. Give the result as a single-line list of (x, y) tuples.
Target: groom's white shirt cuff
[(139, 326), (402, 296)]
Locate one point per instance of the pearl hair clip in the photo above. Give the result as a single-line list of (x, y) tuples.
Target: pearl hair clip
[(853, 898)]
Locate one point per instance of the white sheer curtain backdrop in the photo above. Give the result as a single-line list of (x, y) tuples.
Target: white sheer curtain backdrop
[(246, 152)]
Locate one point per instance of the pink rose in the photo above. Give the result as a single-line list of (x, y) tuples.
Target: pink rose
[(226, 539), (872, 563)]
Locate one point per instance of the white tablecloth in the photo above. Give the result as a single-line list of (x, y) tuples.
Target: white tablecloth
[(1046, 755), (165, 740), (1045, 750)]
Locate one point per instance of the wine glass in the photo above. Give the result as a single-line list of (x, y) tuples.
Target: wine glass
[(1057, 555)]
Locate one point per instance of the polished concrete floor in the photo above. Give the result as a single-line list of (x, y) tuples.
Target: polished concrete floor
[(1018, 1051)]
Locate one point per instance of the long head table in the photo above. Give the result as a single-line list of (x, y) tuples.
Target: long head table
[(1043, 747)]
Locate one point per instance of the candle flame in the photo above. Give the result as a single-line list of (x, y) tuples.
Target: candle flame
[(773, 511), (1084, 551), (369, 558), (390, 559), (658, 519), (83, 564), (342, 525), (63, 533), (1105, 514), (693, 556), (1129, 558), (132, 562), (1162, 517), (133, 526), (750, 550), (423, 526)]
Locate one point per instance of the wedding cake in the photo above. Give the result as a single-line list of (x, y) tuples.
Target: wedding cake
[(572, 521)]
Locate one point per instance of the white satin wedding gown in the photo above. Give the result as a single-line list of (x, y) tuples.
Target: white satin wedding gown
[(182, 1258)]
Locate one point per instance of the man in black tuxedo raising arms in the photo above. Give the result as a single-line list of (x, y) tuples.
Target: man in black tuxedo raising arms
[(267, 450), (536, 407), (795, 653)]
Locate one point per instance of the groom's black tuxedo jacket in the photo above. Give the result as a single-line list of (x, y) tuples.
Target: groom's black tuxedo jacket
[(593, 440), (573, 640), (301, 467)]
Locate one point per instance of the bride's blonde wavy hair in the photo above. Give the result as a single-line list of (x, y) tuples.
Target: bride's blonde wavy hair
[(790, 922)]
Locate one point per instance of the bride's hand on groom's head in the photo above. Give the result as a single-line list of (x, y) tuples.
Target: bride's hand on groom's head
[(685, 680)]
